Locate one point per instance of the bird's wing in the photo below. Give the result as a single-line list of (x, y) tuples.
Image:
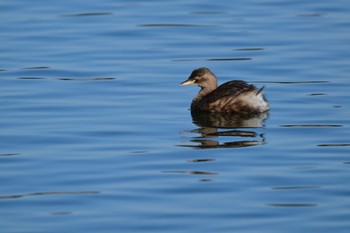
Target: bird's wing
[(224, 93), (229, 89)]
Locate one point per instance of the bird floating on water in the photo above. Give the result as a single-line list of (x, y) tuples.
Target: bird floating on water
[(231, 97)]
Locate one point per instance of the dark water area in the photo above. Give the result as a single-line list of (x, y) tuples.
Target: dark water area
[(96, 133)]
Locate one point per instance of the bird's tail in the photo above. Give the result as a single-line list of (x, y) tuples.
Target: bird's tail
[(260, 90)]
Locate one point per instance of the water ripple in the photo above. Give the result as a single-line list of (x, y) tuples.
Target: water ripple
[(88, 14), (334, 144), (174, 25), (216, 59), (311, 126), (292, 204), (295, 187), (192, 172), (49, 193)]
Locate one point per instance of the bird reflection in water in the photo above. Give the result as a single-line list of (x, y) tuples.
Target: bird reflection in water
[(216, 126)]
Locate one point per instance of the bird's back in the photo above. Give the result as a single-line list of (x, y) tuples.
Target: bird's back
[(233, 96)]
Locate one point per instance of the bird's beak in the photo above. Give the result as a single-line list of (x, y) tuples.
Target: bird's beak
[(187, 82)]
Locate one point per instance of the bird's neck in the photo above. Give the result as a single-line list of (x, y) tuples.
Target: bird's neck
[(203, 92)]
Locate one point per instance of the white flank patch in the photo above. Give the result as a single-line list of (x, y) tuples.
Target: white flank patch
[(255, 101)]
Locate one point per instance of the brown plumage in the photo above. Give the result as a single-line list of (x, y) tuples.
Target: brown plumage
[(233, 96)]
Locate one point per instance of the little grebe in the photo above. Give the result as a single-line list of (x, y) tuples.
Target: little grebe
[(231, 97)]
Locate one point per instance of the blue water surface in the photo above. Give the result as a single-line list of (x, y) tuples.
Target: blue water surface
[(96, 135)]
